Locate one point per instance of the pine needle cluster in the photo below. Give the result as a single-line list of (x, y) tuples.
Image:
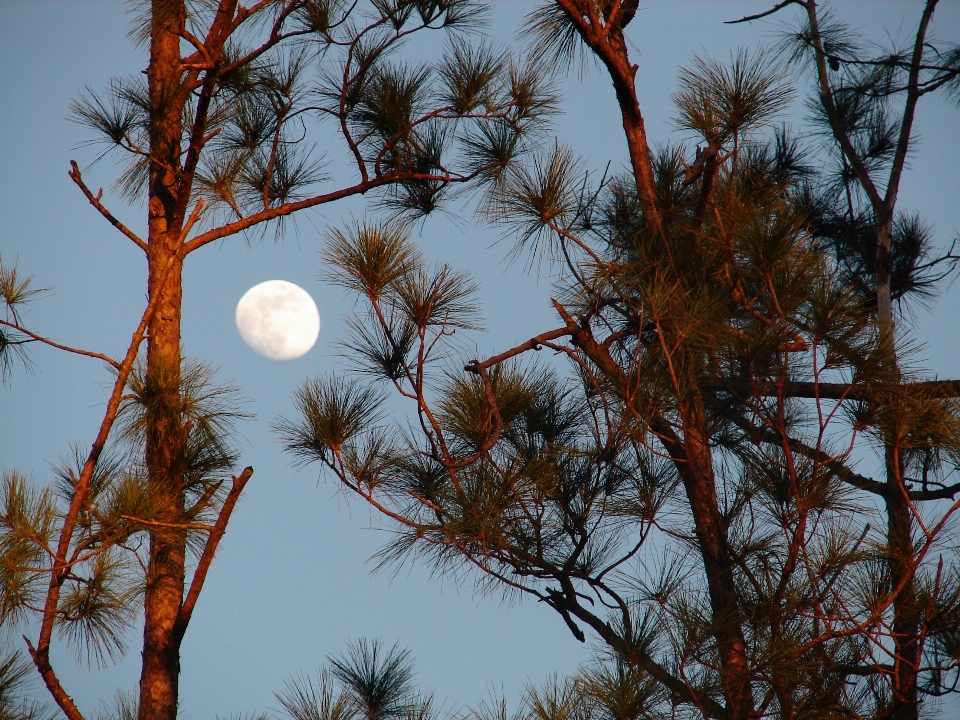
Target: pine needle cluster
[(106, 563)]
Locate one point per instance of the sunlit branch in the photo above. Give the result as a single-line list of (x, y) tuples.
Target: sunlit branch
[(41, 653), (38, 338), (173, 525), (209, 550), (276, 36), (360, 188), (74, 174), (532, 344)]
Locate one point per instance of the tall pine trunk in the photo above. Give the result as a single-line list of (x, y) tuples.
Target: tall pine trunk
[(164, 426), (907, 615)]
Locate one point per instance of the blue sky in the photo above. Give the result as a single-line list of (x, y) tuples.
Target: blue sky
[(291, 582)]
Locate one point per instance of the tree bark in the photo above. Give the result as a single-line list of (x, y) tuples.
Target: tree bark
[(699, 481), (164, 429), (907, 614), (610, 47)]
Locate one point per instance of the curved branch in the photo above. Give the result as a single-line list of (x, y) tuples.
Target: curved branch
[(289, 208), (776, 8), (77, 351)]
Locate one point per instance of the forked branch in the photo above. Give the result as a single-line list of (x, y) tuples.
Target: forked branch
[(75, 175), (209, 550), (61, 568)]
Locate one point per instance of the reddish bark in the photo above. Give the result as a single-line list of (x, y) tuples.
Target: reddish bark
[(164, 434), (689, 448)]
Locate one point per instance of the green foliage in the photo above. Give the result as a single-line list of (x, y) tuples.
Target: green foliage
[(97, 611), (369, 258), (16, 292), (377, 682), (366, 682), (539, 201), (554, 36), (334, 412), (469, 74), (370, 682), (28, 519), (15, 685), (918, 269), (416, 307), (303, 699), (720, 102), (97, 604), (677, 441)]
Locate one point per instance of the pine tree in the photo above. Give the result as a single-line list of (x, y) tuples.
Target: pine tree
[(216, 140), (685, 488), (867, 99)]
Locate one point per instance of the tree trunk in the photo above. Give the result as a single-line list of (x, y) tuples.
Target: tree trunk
[(882, 273), (167, 560), (907, 615), (164, 426), (907, 620), (700, 485)]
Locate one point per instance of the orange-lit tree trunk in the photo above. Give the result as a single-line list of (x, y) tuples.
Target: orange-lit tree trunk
[(690, 451), (164, 433), (189, 72), (699, 480)]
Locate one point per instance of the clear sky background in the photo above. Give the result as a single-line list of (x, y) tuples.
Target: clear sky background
[(291, 582)]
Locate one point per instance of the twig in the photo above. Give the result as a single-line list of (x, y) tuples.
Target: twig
[(776, 8), (178, 526), (77, 351), (74, 174)]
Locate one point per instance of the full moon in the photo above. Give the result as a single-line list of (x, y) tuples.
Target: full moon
[(278, 319)]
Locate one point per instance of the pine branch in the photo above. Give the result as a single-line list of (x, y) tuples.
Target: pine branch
[(824, 391), (66, 348), (766, 13), (41, 653), (74, 174), (206, 557), (50, 679)]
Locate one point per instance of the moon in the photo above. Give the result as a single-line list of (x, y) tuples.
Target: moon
[(278, 319)]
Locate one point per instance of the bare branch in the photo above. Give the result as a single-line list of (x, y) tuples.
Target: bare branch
[(60, 696), (74, 174), (531, 344), (766, 13), (77, 351), (206, 558)]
